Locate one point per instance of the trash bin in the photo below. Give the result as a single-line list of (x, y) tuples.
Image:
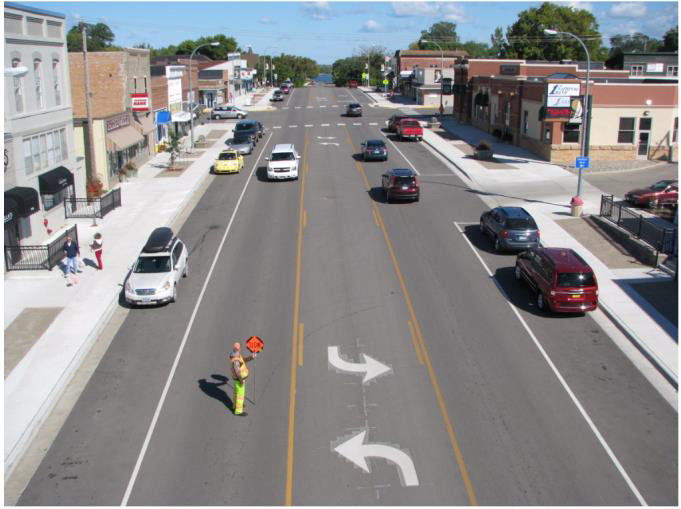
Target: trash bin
[(576, 206)]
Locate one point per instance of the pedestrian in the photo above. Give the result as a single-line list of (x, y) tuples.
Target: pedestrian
[(96, 246), (71, 251), (239, 375)]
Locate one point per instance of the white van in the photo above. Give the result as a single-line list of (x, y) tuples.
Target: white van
[(283, 162)]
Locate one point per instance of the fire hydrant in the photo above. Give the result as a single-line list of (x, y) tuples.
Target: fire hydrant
[(576, 205)]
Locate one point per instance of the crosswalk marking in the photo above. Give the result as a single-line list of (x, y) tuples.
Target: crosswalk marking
[(325, 125), (309, 125), (309, 107), (276, 127), (334, 106), (357, 123), (293, 126), (323, 106), (298, 107), (340, 124), (373, 123)]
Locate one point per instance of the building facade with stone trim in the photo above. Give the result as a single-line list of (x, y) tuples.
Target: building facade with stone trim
[(41, 163)]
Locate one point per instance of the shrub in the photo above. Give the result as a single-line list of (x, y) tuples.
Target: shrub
[(483, 145), (94, 188)]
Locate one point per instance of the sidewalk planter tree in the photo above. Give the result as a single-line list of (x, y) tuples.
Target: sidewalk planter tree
[(484, 151), (174, 148), (131, 169)]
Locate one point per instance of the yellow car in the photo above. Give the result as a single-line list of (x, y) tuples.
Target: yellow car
[(229, 161)]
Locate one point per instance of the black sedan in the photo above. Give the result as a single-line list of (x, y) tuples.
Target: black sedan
[(353, 110), (374, 150)]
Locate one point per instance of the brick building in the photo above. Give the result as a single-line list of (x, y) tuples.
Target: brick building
[(417, 72), (122, 133)]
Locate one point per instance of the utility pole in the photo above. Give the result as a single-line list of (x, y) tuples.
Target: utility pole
[(91, 172)]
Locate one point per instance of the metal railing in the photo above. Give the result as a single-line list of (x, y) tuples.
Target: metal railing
[(43, 257), (662, 239), (92, 207)]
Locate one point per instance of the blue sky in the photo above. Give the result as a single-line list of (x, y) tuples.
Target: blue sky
[(327, 31)]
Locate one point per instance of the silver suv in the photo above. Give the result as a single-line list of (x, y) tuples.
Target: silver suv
[(228, 112)]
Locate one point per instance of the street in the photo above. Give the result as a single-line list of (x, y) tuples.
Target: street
[(478, 401)]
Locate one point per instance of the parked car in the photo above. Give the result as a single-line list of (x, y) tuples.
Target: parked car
[(409, 128), (228, 112), (373, 150), (400, 184), (394, 120), (561, 278), (510, 228), (664, 192), (353, 110), (242, 143), (352, 84), (229, 161), (251, 127), (278, 95), (154, 277), (283, 162), (285, 88)]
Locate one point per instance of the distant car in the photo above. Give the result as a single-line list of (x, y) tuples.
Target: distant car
[(352, 84), (242, 143), (154, 277), (374, 150), (283, 162), (353, 110), (220, 112), (400, 184), (664, 192), (278, 95), (510, 228), (394, 120), (285, 88), (562, 280), (251, 127), (229, 161)]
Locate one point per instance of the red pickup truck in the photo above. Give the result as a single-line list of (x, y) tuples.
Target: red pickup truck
[(409, 128)]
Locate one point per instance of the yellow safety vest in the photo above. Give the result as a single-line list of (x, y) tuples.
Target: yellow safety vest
[(243, 369)]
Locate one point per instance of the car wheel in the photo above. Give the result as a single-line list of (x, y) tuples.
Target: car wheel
[(497, 245), (186, 269), (652, 203), (541, 303), (517, 272), (239, 116), (174, 296), (482, 227)]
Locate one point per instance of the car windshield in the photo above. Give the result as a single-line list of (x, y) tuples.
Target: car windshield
[(227, 156), (241, 138), (572, 279), (152, 264), (375, 144), (283, 156), (244, 127), (659, 186), (520, 223)]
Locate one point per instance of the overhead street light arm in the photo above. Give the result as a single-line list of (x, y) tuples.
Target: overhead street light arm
[(191, 94)]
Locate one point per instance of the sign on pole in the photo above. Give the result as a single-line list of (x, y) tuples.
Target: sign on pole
[(582, 162)]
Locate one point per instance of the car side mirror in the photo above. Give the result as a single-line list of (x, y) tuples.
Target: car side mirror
[(297, 157)]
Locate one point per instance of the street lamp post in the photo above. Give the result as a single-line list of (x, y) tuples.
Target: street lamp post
[(191, 92), (442, 71), (271, 72), (577, 200)]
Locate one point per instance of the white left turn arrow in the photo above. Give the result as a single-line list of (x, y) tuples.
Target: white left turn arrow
[(356, 451), (370, 367), (329, 143)]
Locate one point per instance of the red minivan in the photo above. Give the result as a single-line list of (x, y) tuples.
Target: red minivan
[(352, 84), (563, 281)]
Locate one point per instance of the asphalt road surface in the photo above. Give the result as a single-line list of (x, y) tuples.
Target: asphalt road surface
[(474, 401)]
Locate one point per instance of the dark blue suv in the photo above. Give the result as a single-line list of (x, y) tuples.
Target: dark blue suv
[(510, 228)]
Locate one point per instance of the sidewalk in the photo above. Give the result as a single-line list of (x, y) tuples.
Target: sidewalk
[(73, 317), (545, 191)]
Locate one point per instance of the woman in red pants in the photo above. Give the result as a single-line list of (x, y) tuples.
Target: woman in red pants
[(97, 245)]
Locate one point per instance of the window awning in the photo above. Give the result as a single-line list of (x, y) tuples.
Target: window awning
[(26, 199), (181, 116), (11, 208), (144, 123), (55, 180), (124, 137)]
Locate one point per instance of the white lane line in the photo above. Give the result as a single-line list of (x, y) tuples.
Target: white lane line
[(324, 125), (309, 107), (357, 123), (373, 123), (560, 378), (276, 127), (400, 152), (340, 123), (309, 125), (334, 106), (323, 106), (290, 97), (176, 362), (293, 125), (297, 107)]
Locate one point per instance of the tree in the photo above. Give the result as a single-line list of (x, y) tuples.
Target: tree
[(526, 38), (444, 33), (477, 49), (347, 69), (375, 56), (99, 38), (634, 43), (297, 69), (670, 41), (498, 43)]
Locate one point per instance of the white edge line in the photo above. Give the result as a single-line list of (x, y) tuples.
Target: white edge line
[(176, 362), (290, 97), (400, 152), (560, 378)]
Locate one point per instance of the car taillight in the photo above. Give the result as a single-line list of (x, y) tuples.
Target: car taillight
[(538, 235), (393, 181), (552, 293), (416, 182), (505, 234)]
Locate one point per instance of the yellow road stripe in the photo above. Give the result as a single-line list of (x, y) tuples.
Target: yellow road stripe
[(300, 345), (375, 217), (431, 372), (414, 340), (294, 341), (305, 219)]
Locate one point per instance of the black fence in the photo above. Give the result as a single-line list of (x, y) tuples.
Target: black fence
[(658, 237), (92, 207), (43, 257)]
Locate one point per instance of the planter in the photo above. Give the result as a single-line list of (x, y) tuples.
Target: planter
[(484, 155)]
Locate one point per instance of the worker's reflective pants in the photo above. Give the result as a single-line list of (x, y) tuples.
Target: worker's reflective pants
[(239, 395)]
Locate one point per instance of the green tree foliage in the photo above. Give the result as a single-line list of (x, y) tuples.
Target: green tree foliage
[(670, 41), (526, 38), (297, 69), (348, 69), (634, 43), (477, 49), (374, 56), (497, 43), (444, 33), (99, 38), (227, 45)]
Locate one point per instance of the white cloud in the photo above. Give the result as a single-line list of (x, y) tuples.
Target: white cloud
[(627, 10), (409, 9), (371, 26), (585, 6), (317, 10), (452, 12), (266, 21)]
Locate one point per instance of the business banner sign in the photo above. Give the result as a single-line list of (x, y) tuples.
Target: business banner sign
[(140, 102), (562, 89), (559, 98), (174, 91), (117, 122)]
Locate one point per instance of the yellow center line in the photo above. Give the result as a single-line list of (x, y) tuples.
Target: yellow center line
[(294, 341), (300, 345), (305, 219), (414, 340), (417, 328)]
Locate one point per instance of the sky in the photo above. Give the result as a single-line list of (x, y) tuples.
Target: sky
[(328, 31)]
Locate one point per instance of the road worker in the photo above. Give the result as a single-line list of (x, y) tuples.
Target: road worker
[(239, 375)]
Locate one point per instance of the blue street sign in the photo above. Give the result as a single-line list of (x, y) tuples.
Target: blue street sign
[(582, 162)]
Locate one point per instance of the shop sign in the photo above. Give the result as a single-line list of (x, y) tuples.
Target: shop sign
[(174, 71), (117, 122), (576, 110), (233, 56), (140, 102), (246, 74), (510, 70), (562, 89), (558, 113), (557, 102), (655, 67), (174, 91)]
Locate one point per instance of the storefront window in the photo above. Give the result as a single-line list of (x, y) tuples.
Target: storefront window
[(571, 133), (52, 200), (626, 130)]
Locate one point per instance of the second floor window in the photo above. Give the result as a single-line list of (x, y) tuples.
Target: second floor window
[(57, 81), (636, 70), (18, 88), (672, 70), (37, 75)]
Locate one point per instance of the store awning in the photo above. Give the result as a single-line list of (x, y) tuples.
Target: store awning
[(26, 199), (162, 117), (181, 116), (144, 123), (11, 209), (124, 137), (55, 180)]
